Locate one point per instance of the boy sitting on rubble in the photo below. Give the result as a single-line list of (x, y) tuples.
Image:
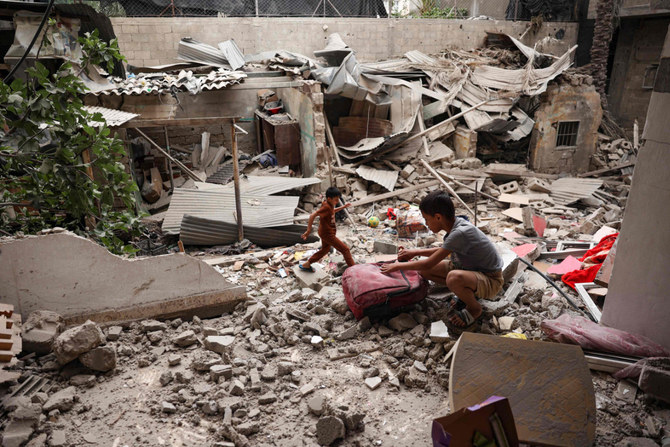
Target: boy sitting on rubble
[(327, 230), (475, 268)]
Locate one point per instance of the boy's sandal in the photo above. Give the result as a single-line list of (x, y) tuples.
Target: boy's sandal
[(454, 304), (306, 269), (467, 318)]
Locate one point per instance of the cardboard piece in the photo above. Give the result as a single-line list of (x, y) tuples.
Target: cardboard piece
[(514, 213), (549, 386), (458, 428), (569, 264)]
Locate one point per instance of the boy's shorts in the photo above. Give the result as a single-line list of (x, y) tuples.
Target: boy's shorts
[(488, 283)]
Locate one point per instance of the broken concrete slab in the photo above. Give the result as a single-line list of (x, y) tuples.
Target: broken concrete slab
[(63, 400), (310, 280), (99, 359), (439, 333), (387, 248), (329, 429), (219, 343), (22, 423), (40, 331), (114, 288)]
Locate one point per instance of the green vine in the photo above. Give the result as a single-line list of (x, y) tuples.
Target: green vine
[(59, 164)]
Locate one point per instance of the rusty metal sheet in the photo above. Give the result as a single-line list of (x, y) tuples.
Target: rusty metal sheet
[(548, 385)]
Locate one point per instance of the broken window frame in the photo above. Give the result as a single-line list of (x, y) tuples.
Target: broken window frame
[(566, 138)]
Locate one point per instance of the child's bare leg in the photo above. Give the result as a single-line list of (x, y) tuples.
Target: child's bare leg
[(438, 273), (464, 284)]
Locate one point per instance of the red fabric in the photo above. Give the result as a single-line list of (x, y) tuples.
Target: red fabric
[(596, 256), (577, 276)]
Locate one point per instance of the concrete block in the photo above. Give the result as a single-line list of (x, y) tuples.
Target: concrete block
[(655, 379), (309, 279), (387, 248), (508, 188), (40, 331), (76, 341), (407, 171), (166, 286), (539, 185)]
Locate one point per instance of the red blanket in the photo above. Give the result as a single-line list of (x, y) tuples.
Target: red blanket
[(596, 256)]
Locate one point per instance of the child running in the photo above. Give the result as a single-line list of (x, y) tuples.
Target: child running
[(475, 268), (327, 230)]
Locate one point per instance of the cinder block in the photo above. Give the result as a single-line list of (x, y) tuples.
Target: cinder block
[(655, 379), (539, 185), (508, 188), (386, 248)]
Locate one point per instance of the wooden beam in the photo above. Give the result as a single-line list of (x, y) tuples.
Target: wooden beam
[(236, 180), (170, 157), (605, 170), (446, 185), (331, 141), (176, 122), (384, 196)]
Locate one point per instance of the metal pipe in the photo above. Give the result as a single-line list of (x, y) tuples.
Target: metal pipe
[(572, 303), (236, 180)]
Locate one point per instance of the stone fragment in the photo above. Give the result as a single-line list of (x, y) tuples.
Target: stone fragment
[(420, 366), (248, 428), (506, 323), (22, 423), (62, 400), (402, 322), (225, 371), (77, 340), (114, 333), (236, 388), (285, 368), (57, 439), (373, 382), (38, 441), (316, 341), (383, 331), (347, 334), (167, 407), (637, 442), (165, 378), (40, 331), (306, 389), (364, 325), (267, 398), (174, 360), (210, 408), (310, 280), (99, 359), (329, 429), (315, 405), (340, 305), (152, 326), (439, 333), (203, 360), (186, 338), (207, 331), (218, 343), (87, 380)]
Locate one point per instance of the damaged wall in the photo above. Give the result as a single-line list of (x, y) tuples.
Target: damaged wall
[(638, 50), (81, 280), (561, 105), (637, 300), (148, 41)]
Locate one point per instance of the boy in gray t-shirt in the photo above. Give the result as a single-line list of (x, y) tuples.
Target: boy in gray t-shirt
[(475, 268)]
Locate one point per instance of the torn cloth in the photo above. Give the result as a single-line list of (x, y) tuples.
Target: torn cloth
[(595, 256)]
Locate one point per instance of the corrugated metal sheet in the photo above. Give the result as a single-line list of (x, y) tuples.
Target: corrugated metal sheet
[(232, 53), (368, 146), (262, 185), (194, 51), (112, 117), (201, 231), (565, 191), (223, 175), (257, 210), (155, 83), (385, 178)]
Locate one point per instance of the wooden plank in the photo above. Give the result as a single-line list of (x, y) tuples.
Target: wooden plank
[(548, 385), (446, 185), (176, 122), (606, 170)]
